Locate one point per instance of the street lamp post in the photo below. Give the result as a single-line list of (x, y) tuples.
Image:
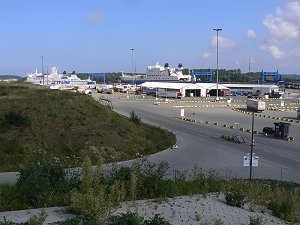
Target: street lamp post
[(217, 30), (252, 145), (249, 65), (132, 58), (43, 70)]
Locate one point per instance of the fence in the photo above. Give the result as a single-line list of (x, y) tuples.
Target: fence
[(279, 173)]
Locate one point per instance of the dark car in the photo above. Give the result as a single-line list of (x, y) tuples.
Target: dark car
[(269, 130)]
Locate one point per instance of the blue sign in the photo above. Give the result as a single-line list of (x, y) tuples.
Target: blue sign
[(208, 76), (270, 77)]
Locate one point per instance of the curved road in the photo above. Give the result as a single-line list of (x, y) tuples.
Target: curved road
[(201, 143)]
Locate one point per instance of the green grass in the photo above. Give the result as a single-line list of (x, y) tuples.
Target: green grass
[(68, 125)]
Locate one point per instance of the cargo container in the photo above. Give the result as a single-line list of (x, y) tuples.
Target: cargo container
[(256, 105)]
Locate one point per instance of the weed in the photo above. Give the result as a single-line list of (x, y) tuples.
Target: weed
[(38, 219), (135, 118), (235, 197), (198, 216), (256, 220), (218, 222)]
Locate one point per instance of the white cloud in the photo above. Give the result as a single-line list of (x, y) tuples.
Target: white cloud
[(94, 16), (281, 29), (206, 55), (284, 31), (273, 50), (251, 34), (223, 43)]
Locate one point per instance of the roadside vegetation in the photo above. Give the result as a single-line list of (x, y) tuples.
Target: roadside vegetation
[(69, 126), (95, 194)]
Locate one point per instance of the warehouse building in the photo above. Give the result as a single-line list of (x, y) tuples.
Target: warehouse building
[(247, 89), (164, 89)]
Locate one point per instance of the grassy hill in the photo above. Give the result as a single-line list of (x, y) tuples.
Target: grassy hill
[(68, 126)]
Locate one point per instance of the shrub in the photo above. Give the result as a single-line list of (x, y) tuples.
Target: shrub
[(16, 119), (38, 219), (235, 197), (135, 118), (75, 221), (3, 93), (284, 206), (93, 199), (156, 220), (218, 222), (255, 220), (128, 218), (40, 181), (198, 216), (6, 222)]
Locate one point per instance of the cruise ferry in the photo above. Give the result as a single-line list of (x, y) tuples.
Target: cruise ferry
[(56, 80), (158, 73)]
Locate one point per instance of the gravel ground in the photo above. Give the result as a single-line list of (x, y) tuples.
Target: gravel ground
[(182, 210)]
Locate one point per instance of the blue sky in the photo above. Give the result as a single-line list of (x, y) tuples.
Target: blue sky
[(97, 35)]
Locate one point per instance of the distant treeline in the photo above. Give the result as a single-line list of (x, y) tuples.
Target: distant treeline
[(110, 78), (4, 77)]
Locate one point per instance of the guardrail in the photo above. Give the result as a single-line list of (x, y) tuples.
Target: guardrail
[(106, 102)]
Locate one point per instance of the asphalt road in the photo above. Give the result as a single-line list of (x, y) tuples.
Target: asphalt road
[(201, 143)]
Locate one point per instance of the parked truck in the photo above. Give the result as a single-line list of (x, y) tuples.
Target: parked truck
[(169, 94), (256, 105)]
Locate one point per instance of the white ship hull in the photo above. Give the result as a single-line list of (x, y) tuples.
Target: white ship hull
[(158, 73)]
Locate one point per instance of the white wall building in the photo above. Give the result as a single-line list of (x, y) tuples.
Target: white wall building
[(245, 89), (186, 89)]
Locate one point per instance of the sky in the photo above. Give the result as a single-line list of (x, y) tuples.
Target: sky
[(98, 35)]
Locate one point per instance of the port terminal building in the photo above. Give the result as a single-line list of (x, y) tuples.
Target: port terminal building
[(246, 89), (164, 89)]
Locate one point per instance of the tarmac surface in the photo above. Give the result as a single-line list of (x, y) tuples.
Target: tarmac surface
[(200, 142)]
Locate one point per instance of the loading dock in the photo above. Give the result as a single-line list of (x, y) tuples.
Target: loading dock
[(186, 89)]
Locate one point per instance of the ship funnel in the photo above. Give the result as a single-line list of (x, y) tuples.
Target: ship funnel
[(166, 65), (54, 70), (180, 66)]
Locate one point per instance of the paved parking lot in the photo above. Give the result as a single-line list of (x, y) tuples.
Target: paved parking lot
[(200, 142)]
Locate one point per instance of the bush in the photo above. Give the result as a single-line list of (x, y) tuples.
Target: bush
[(6, 222), (284, 206), (255, 220), (38, 219), (127, 219), (235, 197), (75, 221), (156, 220), (41, 181), (93, 199), (135, 118), (130, 218), (16, 119)]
